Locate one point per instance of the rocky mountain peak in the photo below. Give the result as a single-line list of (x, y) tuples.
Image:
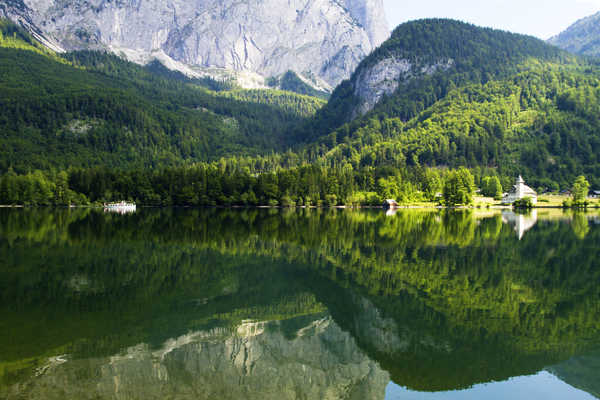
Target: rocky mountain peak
[(322, 40)]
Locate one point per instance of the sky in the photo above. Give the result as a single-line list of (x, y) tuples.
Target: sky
[(541, 18)]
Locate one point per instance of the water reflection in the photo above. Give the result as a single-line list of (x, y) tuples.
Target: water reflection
[(521, 221), (310, 358), (542, 385), (292, 304), (391, 212)]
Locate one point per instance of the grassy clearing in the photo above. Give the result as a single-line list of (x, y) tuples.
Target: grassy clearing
[(481, 201), (551, 200)]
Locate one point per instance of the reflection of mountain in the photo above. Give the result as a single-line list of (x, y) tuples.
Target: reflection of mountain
[(438, 300), (306, 358), (423, 350), (521, 223), (582, 372)]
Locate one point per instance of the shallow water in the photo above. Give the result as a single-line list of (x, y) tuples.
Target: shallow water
[(299, 304)]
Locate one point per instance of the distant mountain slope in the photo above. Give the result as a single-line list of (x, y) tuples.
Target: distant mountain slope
[(446, 93), (323, 38), (423, 60), (95, 109), (583, 37), (439, 93)]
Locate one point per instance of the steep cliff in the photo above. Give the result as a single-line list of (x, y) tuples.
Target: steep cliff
[(323, 40), (21, 14)]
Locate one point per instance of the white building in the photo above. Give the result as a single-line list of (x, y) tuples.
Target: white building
[(518, 192), (390, 204)]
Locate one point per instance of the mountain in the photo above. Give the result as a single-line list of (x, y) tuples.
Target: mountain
[(323, 40), (420, 53), (96, 109), (446, 93), (583, 37), (437, 94), (20, 13)]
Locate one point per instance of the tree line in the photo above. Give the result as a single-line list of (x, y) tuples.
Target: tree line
[(234, 183), (223, 184)]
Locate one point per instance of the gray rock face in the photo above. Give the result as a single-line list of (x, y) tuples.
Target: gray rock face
[(324, 39), (380, 80), (583, 37), (257, 360), (385, 77), (18, 12)]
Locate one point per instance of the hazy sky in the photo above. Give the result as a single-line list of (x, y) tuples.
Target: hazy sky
[(541, 18)]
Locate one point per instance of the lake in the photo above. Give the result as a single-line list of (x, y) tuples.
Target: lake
[(299, 304)]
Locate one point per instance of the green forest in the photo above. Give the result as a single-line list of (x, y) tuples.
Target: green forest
[(87, 109), (232, 184), (510, 103), (89, 126)]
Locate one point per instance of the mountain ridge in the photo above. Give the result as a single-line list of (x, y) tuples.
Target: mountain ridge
[(421, 48), (582, 37), (498, 103), (324, 39), (453, 94)]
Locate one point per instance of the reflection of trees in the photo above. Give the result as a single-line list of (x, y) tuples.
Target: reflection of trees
[(459, 227), (120, 305), (580, 225), (423, 350), (454, 287)]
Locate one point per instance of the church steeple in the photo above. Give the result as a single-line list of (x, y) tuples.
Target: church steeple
[(520, 191)]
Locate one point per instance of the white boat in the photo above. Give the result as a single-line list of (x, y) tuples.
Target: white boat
[(122, 207)]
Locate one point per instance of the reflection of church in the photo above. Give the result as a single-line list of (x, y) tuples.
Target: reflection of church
[(521, 223)]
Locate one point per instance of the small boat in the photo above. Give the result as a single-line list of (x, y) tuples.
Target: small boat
[(121, 207)]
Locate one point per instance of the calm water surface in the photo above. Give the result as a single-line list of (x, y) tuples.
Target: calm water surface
[(306, 304)]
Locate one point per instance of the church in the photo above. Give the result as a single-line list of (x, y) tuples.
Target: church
[(518, 192)]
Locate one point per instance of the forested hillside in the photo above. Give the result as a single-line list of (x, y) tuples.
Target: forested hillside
[(476, 55), (508, 102), (542, 122), (100, 128), (91, 109)]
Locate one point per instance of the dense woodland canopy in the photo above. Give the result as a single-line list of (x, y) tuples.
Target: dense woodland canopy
[(509, 102), (231, 184), (93, 109), (509, 105)]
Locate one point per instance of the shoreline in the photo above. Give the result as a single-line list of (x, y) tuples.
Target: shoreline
[(407, 207)]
